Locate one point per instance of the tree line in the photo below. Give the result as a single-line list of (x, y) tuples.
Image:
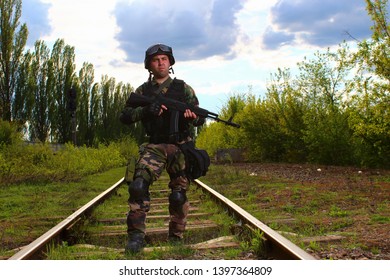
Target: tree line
[(334, 111), (35, 86)]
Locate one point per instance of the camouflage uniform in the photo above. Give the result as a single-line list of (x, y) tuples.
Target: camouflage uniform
[(154, 158)]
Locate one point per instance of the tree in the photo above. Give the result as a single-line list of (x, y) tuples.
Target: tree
[(369, 119), (40, 122), (325, 84), (369, 115), (122, 92), (107, 88), (23, 103), (84, 110), (376, 53), (62, 77), (288, 105), (12, 43)]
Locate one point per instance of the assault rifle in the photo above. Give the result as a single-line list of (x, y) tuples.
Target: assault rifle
[(139, 100)]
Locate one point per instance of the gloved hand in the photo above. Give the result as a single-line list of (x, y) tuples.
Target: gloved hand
[(153, 109)]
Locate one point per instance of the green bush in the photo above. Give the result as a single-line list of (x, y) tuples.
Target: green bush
[(9, 133), (32, 163), (127, 147)]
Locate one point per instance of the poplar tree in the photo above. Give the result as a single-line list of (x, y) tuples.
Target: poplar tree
[(63, 78), (39, 75), (84, 110), (12, 43)]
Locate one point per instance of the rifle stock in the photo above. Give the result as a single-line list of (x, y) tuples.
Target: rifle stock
[(139, 100)]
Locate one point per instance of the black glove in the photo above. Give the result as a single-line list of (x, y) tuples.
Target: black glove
[(153, 109)]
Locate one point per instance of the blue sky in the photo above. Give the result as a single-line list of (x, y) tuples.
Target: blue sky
[(221, 47)]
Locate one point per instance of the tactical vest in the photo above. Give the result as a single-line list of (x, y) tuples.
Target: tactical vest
[(170, 126)]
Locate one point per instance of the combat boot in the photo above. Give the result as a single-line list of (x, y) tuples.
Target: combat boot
[(135, 243), (174, 239)]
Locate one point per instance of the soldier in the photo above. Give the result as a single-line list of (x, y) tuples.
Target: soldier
[(162, 150)]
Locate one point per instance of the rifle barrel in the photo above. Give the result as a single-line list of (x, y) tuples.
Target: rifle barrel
[(139, 100)]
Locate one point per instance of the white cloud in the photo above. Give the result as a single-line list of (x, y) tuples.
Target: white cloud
[(197, 31), (226, 41), (316, 22), (87, 25)]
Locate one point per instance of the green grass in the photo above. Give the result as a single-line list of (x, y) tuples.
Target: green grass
[(117, 203), (29, 210), (317, 209), (380, 219)]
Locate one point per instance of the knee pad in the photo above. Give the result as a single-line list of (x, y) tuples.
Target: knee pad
[(139, 189), (177, 199)]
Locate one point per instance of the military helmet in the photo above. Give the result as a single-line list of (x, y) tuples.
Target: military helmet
[(158, 49)]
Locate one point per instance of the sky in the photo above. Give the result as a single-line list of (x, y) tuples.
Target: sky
[(221, 47)]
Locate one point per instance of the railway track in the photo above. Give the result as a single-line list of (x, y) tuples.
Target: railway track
[(216, 227)]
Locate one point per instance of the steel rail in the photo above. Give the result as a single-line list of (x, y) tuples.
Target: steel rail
[(38, 245), (278, 245)]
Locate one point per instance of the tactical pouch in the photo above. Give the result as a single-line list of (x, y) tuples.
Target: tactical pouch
[(197, 160), (130, 169)]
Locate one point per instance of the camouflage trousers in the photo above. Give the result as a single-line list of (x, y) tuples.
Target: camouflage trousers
[(153, 160)]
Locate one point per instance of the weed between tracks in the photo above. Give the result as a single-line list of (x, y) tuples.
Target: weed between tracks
[(305, 201), (109, 218), (297, 200)]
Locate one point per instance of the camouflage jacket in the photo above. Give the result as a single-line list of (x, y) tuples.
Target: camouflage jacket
[(131, 115)]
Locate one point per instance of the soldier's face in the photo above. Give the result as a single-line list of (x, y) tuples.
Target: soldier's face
[(159, 65)]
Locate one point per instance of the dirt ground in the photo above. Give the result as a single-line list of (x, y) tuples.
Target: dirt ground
[(368, 235)]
